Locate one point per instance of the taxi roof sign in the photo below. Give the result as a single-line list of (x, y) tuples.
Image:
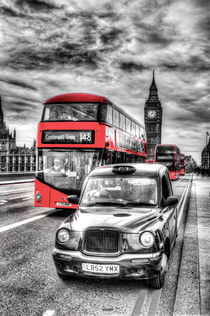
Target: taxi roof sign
[(123, 169)]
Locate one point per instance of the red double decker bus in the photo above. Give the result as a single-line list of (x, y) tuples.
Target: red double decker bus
[(182, 164), (78, 132), (169, 156)]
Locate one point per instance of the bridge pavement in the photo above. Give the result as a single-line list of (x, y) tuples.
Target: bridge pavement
[(193, 290)]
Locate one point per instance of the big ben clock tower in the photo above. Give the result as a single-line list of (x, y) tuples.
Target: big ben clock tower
[(153, 119)]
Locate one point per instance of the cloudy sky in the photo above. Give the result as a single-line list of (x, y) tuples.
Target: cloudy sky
[(106, 47)]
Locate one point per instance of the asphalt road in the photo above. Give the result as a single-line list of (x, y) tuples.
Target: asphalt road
[(28, 280)]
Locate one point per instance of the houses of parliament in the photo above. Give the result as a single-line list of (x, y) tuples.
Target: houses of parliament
[(14, 158)]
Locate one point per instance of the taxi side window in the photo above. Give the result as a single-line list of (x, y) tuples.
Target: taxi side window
[(165, 188)]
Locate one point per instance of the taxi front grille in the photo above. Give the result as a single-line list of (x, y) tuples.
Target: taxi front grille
[(101, 241)]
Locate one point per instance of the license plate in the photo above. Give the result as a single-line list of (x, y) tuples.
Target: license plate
[(63, 204), (101, 268)]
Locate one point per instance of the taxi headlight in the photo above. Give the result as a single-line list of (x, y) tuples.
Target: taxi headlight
[(147, 239), (63, 235)]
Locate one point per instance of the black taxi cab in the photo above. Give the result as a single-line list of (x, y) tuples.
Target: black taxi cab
[(125, 225)]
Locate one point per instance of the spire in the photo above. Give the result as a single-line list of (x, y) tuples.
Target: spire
[(153, 91), (1, 113), (153, 84)]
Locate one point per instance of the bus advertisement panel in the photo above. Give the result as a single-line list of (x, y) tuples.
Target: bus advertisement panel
[(169, 156), (77, 133)]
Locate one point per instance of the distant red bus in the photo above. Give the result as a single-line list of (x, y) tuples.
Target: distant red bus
[(182, 164), (169, 156), (78, 132), (150, 161)]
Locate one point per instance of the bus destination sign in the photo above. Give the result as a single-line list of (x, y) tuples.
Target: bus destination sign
[(68, 137)]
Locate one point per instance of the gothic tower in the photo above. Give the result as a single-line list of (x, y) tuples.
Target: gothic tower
[(153, 119), (2, 124)]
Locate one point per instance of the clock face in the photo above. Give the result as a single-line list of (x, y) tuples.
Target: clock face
[(151, 113)]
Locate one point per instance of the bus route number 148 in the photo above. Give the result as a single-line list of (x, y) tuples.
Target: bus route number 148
[(86, 137)]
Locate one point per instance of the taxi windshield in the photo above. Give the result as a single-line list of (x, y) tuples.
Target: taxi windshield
[(120, 190)]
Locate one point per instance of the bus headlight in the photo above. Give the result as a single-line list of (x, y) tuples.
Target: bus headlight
[(147, 239), (38, 196), (63, 235)]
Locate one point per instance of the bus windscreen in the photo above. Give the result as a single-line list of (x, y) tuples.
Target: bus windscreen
[(70, 112), (65, 170)]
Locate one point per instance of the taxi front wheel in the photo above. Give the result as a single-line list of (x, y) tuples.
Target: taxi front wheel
[(158, 281), (63, 276)]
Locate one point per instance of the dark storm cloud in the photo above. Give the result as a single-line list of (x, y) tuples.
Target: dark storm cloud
[(194, 113), (152, 34), (155, 37), (18, 83), (20, 8), (37, 4), (202, 3), (68, 54), (193, 64), (204, 25), (10, 11), (56, 47), (131, 66), (22, 105), (108, 37)]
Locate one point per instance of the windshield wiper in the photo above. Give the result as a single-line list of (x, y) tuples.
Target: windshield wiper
[(140, 204), (107, 202)]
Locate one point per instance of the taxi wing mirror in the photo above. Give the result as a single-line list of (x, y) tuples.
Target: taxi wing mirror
[(74, 199), (171, 201)]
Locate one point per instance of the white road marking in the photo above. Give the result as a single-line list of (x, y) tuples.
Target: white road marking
[(20, 197), (180, 180), (182, 202), (16, 181), (28, 198), (49, 312), (147, 302), (25, 221), (2, 202), (155, 302), (14, 190), (140, 302)]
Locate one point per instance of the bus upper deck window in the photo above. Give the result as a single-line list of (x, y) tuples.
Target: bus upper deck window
[(142, 132), (122, 121), (71, 112), (116, 118), (103, 113), (109, 114), (128, 125)]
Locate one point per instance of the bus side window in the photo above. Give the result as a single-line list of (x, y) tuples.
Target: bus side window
[(122, 121), (142, 133), (137, 131), (128, 125), (103, 112), (109, 114), (116, 118), (133, 131)]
